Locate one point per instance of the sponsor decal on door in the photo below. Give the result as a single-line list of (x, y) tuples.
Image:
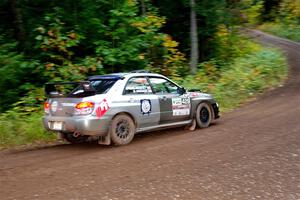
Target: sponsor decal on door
[(181, 106)]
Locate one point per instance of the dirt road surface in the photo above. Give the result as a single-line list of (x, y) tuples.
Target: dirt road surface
[(250, 153)]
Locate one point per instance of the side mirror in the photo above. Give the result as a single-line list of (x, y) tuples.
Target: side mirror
[(181, 91)]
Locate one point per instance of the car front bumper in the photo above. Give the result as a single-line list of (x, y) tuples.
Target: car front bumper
[(215, 107)]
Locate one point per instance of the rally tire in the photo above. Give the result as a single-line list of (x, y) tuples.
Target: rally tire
[(204, 115), (122, 129)]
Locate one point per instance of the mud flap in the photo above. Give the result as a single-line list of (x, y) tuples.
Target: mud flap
[(105, 140), (60, 136), (191, 126)]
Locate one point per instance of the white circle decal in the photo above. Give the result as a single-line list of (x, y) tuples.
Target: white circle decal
[(145, 106), (54, 106)]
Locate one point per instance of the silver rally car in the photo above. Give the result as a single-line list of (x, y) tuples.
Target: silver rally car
[(114, 107)]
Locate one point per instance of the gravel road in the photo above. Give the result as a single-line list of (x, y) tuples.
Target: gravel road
[(250, 153)]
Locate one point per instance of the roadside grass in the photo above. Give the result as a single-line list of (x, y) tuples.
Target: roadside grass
[(289, 31), (253, 74), (244, 78), (18, 129), (231, 83)]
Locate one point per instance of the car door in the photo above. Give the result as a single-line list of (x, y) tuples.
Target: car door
[(173, 106), (142, 102)]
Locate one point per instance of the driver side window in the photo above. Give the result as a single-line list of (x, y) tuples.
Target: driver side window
[(163, 86), (138, 85)]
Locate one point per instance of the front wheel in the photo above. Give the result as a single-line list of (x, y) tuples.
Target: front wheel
[(203, 115), (122, 129)]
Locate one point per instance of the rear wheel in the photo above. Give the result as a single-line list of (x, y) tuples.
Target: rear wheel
[(203, 115), (122, 129), (74, 140)]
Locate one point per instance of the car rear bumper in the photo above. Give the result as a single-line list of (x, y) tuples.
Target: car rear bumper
[(84, 125)]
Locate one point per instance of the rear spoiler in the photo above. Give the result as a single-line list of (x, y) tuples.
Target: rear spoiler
[(67, 89)]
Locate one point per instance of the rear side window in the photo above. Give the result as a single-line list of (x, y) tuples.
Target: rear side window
[(138, 85)]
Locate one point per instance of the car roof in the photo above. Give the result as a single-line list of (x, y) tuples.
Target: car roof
[(117, 76), (108, 76)]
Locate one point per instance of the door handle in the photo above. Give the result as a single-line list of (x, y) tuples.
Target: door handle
[(131, 100)]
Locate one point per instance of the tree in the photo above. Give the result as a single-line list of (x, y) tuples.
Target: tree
[(194, 55), (143, 7), (18, 22)]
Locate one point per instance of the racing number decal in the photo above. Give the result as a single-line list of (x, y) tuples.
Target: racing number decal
[(181, 106), (103, 107), (145, 106)]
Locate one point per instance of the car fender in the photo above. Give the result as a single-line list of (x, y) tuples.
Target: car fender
[(197, 100)]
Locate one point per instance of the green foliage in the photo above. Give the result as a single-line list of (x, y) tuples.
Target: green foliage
[(253, 11), (18, 129), (128, 38), (250, 75), (286, 20), (244, 76), (210, 14), (173, 63), (231, 44), (56, 45), (14, 71), (289, 31), (134, 42), (289, 12)]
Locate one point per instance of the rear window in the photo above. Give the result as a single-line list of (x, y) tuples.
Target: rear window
[(78, 89), (101, 87)]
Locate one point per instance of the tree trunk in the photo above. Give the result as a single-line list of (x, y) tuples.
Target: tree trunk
[(194, 39), (18, 22), (143, 7)]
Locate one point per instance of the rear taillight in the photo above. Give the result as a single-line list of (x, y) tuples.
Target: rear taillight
[(46, 107), (84, 108)]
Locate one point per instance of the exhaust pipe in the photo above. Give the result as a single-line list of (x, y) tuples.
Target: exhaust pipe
[(76, 134)]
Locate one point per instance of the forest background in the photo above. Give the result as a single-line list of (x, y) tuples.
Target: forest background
[(197, 43)]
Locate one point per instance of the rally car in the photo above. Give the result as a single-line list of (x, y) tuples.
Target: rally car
[(113, 108)]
